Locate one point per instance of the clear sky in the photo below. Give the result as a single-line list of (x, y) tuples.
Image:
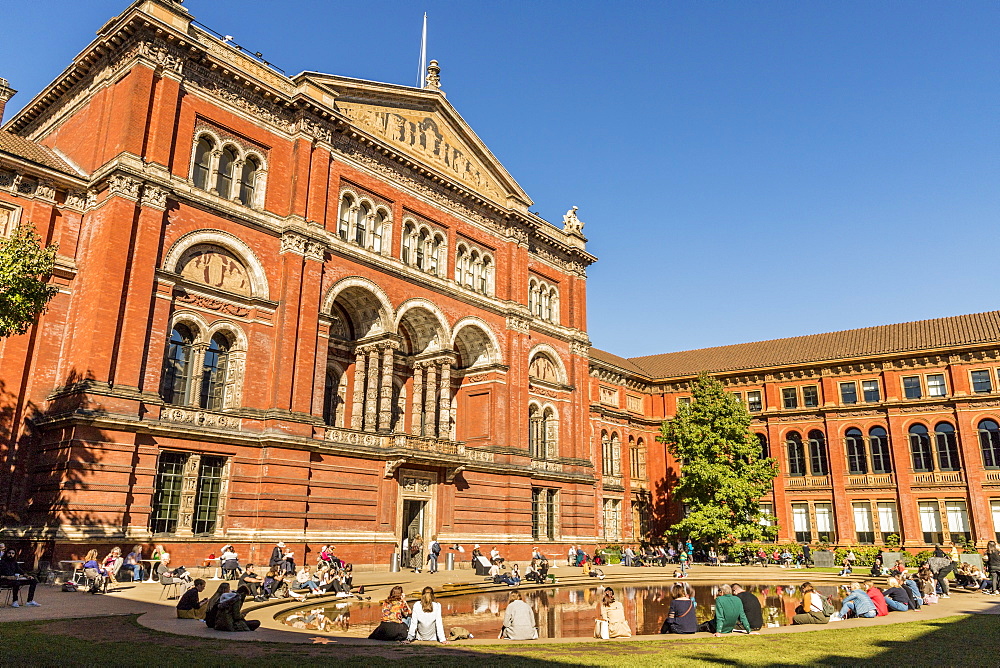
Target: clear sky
[(746, 170)]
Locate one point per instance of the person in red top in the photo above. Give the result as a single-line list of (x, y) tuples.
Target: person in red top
[(875, 594)]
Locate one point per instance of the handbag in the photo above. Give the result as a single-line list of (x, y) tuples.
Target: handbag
[(601, 630), (931, 598)]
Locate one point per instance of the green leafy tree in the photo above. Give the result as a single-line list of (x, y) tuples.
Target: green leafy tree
[(24, 269), (723, 472)]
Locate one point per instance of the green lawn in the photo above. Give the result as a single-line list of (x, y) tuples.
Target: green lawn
[(121, 641)]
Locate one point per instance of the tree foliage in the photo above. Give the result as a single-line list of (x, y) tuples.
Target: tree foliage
[(24, 269), (723, 471)]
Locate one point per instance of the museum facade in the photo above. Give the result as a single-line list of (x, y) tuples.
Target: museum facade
[(316, 309)]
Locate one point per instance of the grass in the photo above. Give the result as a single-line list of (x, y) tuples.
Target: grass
[(966, 640)]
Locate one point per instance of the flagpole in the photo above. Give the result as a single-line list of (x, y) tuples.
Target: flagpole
[(422, 71)]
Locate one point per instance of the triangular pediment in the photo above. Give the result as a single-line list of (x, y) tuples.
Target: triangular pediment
[(424, 126)]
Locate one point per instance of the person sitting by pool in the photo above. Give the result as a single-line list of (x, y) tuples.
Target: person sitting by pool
[(426, 622), (191, 606), (729, 612), (515, 576), (895, 597), (811, 609), (613, 614), (395, 617), (229, 613), (878, 599), (518, 619), (305, 580), (531, 573), (212, 607), (252, 581), (682, 616), (751, 607), (856, 603), (499, 577)]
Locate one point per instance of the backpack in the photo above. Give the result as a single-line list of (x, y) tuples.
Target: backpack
[(436, 547), (828, 608)]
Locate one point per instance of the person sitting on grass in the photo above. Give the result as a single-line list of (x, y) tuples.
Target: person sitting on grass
[(729, 612), (811, 609), (878, 599), (856, 603), (912, 588), (14, 576), (896, 598), (191, 606)]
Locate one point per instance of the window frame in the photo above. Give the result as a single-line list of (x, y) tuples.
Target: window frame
[(807, 401), (920, 440), (865, 391), (989, 381), (789, 398), (919, 388), (857, 455), (943, 386), (853, 385), (751, 403)]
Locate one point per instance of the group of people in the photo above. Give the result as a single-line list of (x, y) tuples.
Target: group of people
[(223, 611)]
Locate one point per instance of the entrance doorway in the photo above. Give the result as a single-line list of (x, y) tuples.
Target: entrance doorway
[(413, 527)]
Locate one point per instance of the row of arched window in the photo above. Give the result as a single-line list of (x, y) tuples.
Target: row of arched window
[(929, 451), (362, 223), (227, 170), (542, 432), (611, 456), (190, 382), (543, 300), (474, 269)]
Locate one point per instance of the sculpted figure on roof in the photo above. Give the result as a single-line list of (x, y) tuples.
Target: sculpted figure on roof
[(571, 223)]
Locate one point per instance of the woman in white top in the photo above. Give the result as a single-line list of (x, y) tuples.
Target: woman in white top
[(426, 622), (811, 610)]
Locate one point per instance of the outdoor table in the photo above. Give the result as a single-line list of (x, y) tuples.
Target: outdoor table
[(152, 569)]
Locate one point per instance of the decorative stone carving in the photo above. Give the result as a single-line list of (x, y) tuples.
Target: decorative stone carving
[(120, 185), (46, 191), (518, 324), (200, 418), (480, 456), (433, 80), (452, 472), (316, 128), (239, 96), (571, 223), (76, 200), (579, 348), (392, 465), (154, 197), (292, 242), (212, 304), (346, 437)]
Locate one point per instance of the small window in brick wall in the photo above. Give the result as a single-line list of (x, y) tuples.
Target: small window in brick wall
[(189, 494)]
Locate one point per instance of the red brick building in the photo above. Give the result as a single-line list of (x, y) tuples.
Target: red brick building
[(317, 309)]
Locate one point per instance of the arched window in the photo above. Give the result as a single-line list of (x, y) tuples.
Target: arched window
[(878, 439), (989, 441), (460, 265), (817, 453), (920, 449), (546, 312), (224, 181), (633, 458), (616, 455), (437, 243), (537, 435), (380, 219), (248, 181), (344, 218), (177, 368), (361, 224), (857, 461), (486, 278), (203, 162), (641, 448), (423, 245), (407, 251), (553, 306), (533, 302), (333, 399), (947, 447), (765, 451), (796, 454), (213, 374), (607, 460)]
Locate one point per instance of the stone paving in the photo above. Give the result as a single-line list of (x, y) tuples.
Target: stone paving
[(156, 612)]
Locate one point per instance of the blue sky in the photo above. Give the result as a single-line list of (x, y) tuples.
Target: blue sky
[(746, 170)]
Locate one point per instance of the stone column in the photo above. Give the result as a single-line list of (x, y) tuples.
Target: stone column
[(358, 402), (418, 398), (444, 419), (371, 393), (430, 401), (385, 389)]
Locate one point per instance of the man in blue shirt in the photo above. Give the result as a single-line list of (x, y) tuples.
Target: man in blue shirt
[(857, 602)]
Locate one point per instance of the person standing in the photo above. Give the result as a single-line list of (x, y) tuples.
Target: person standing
[(993, 566), (751, 607), (432, 556), (683, 556), (416, 553), (518, 619), (940, 565), (806, 555)]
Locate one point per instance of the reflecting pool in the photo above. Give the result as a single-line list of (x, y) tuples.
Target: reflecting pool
[(562, 612)]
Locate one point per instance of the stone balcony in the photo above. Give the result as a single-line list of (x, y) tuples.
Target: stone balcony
[(405, 447), (938, 478), (794, 482), (870, 480)]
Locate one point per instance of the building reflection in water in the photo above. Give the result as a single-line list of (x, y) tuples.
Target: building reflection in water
[(570, 611)]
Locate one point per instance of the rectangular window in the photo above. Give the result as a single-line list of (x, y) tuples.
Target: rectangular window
[(683, 401), (789, 397), (911, 387), (612, 519), (863, 523), (800, 522), (206, 505), (981, 382), (958, 521), (935, 385), (824, 523), (738, 396), (754, 403), (995, 510), (848, 393), (543, 513), (930, 522), (888, 519), (810, 396), (871, 390), (167, 499), (766, 512)]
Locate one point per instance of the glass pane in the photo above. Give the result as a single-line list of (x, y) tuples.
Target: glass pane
[(848, 393), (981, 382), (911, 387), (167, 499), (810, 396), (871, 390), (887, 517), (207, 501), (935, 385)]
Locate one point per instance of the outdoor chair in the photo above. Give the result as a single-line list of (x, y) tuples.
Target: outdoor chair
[(8, 594)]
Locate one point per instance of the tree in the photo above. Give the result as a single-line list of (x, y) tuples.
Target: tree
[(24, 269), (723, 470)]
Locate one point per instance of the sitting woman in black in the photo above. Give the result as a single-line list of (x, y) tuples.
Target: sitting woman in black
[(682, 617)]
